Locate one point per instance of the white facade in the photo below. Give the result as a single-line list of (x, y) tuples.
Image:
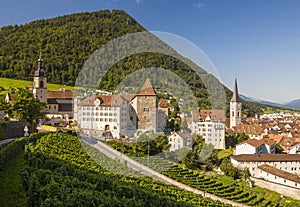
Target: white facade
[(179, 140), (235, 114), (97, 114), (274, 175), (294, 149), (254, 146), (245, 148), (212, 132), (285, 162)]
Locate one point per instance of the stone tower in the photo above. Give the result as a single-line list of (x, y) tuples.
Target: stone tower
[(235, 107), (40, 82), (146, 108)]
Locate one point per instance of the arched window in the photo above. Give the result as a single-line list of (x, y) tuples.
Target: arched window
[(41, 84)]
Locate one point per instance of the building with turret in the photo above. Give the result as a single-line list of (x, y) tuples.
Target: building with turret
[(235, 108), (122, 114), (39, 89)]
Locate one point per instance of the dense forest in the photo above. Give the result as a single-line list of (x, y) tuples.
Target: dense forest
[(68, 41)]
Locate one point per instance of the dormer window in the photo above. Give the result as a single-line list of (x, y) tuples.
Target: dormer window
[(97, 102)]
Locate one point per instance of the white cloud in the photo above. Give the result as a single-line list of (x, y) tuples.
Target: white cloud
[(139, 1)]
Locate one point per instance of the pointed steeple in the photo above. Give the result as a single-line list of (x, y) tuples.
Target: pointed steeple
[(235, 96), (40, 72), (147, 89)]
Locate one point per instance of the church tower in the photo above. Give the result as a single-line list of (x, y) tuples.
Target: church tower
[(235, 107), (40, 82)]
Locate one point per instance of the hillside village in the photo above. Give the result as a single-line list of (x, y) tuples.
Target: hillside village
[(105, 115)]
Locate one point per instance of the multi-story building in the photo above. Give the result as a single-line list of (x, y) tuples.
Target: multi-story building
[(98, 113), (286, 162), (179, 140), (212, 131), (122, 114), (254, 146)]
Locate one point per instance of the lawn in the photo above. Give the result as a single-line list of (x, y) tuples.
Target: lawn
[(6, 83)]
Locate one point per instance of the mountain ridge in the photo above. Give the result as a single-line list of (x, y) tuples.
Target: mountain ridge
[(66, 42), (294, 104)]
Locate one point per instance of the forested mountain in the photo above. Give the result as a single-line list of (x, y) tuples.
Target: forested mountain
[(66, 43)]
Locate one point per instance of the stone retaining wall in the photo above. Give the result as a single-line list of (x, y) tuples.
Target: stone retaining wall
[(281, 189), (12, 129)]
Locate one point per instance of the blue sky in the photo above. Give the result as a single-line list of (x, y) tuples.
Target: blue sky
[(257, 41)]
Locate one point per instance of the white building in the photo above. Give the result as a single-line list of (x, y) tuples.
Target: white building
[(212, 132), (100, 113), (179, 140), (274, 175), (294, 149), (121, 115), (286, 162), (254, 146)]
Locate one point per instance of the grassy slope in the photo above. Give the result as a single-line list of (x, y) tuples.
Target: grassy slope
[(11, 190), (6, 83)]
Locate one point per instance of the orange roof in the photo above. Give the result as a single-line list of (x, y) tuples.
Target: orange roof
[(275, 137), (280, 173), (61, 94), (249, 129), (112, 100), (257, 143), (213, 114), (268, 141), (162, 103), (266, 157), (252, 142), (128, 96), (147, 89)]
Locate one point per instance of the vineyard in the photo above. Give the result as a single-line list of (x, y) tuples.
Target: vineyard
[(61, 173), (233, 190)]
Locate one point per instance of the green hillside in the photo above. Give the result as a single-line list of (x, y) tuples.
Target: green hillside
[(6, 83), (66, 43)]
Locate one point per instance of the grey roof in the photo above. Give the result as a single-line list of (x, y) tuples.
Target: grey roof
[(235, 96)]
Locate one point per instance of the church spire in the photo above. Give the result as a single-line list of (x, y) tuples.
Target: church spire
[(40, 72), (40, 62), (235, 96)]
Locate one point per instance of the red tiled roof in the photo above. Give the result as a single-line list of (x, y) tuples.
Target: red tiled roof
[(128, 97), (213, 114), (183, 135), (267, 157), (147, 89), (252, 129), (110, 100), (252, 142), (61, 94), (162, 103), (280, 173)]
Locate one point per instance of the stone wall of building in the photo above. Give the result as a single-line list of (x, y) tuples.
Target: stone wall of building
[(12, 129), (146, 112)]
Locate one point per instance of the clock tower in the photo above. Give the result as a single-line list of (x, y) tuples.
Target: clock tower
[(39, 82), (235, 108)]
